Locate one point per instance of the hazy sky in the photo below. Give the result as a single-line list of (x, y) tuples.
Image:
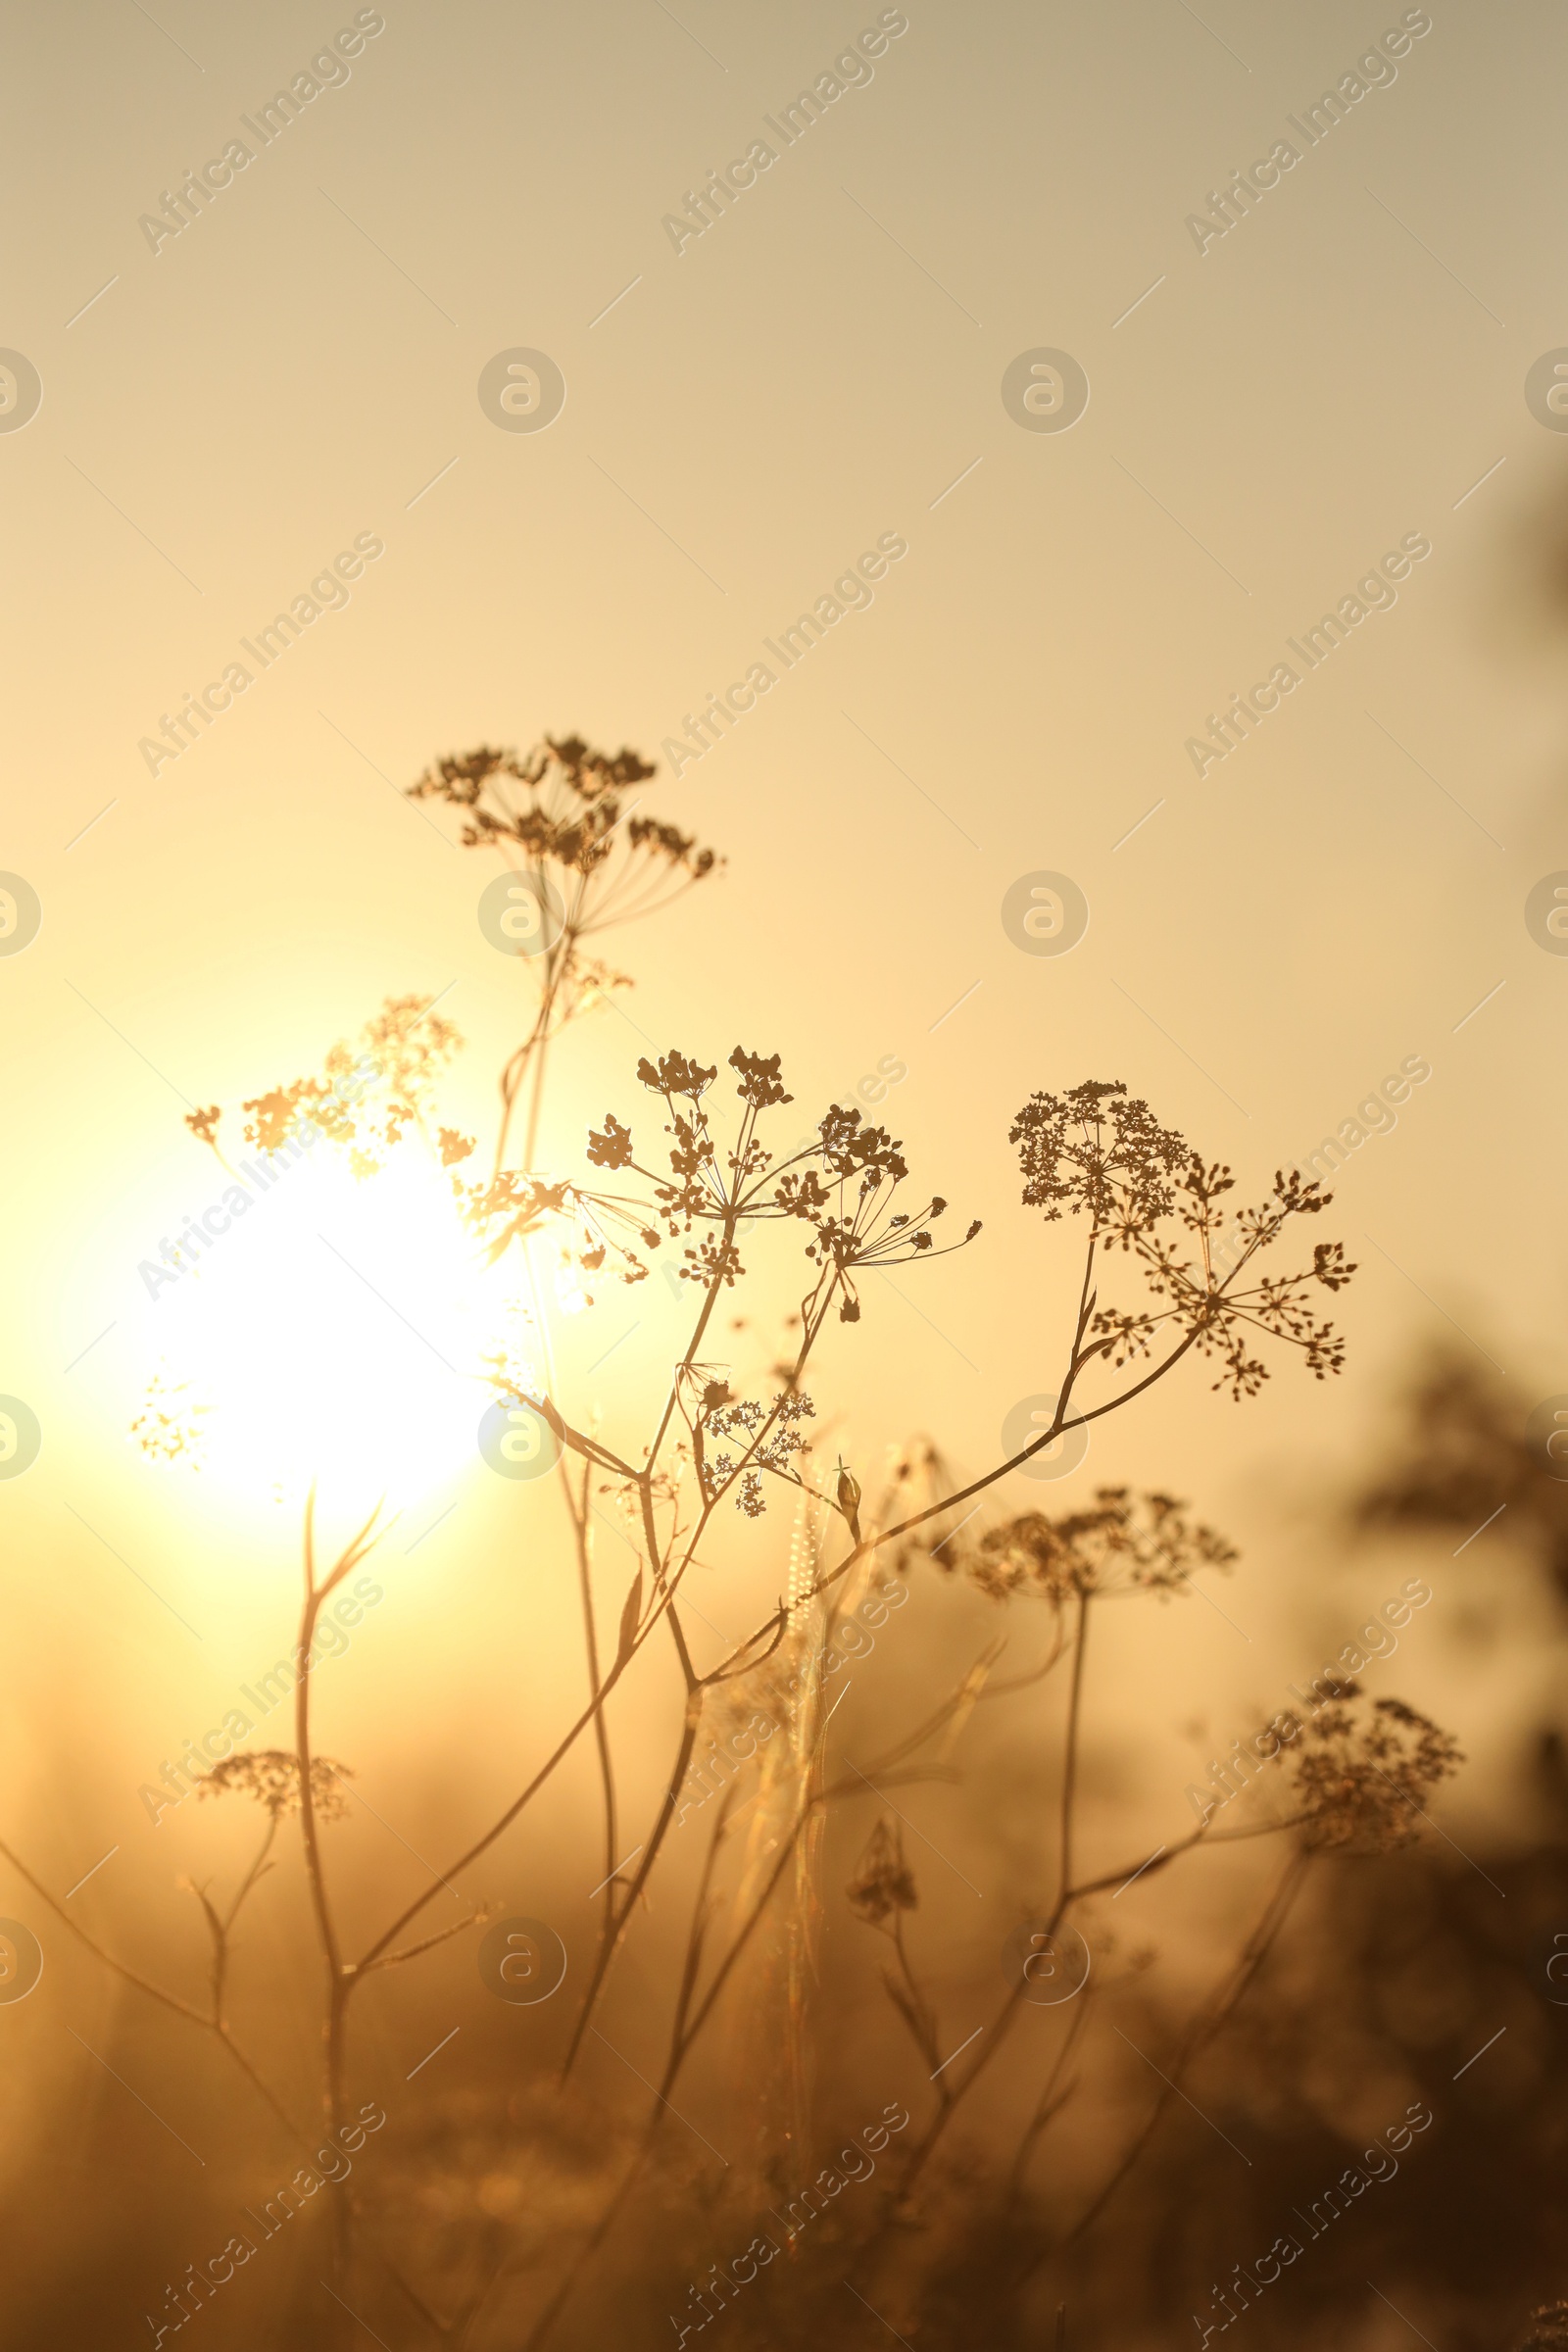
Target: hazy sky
[(821, 369)]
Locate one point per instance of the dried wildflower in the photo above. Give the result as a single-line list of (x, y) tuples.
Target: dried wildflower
[(1099, 1151), (1363, 1779), (842, 1185), (1206, 1299), (613, 1147), (203, 1124), (759, 1082), (369, 1096), (767, 1438), (676, 1075), (1103, 1154), (557, 815), (1121, 1543), (271, 1777), (601, 1227), (561, 806), (1548, 2329), (883, 1883)]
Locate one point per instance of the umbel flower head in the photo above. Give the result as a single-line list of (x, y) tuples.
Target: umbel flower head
[(1363, 1777), (1101, 1154), (271, 1777), (1123, 1543), (1098, 1152), (562, 807), (370, 1097), (842, 1185)]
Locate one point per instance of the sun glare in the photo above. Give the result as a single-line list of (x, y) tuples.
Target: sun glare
[(339, 1332)]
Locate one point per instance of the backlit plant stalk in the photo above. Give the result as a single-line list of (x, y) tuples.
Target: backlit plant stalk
[(711, 1188)]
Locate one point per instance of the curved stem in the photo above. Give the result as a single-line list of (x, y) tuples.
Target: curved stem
[(222, 1928), (326, 1926), (977, 1485), (339, 1976), (697, 1934), (577, 1509), (532, 1047)]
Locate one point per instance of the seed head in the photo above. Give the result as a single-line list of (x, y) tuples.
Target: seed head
[(271, 1775)]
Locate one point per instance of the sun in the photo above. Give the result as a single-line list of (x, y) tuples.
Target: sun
[(341, 1333)]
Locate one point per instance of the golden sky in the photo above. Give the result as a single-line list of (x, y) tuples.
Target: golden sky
[(819, 372)]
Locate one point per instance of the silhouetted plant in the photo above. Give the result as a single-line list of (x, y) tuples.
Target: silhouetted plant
[(1362, 1779), (714, 1187), (560, 814)]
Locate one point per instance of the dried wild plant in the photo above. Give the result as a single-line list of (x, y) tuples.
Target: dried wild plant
[(712, 1185), (561, 815)]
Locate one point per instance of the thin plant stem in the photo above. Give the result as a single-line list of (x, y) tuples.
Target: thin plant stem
[(327, 1930), (157, 1992), (610, 1943), (697, 1932), (340, 1977), (772, 1630), (536, 1098), (515, 1072), (1048, 2104), (577, 1509), (1209, 2023), (1069, 1766)]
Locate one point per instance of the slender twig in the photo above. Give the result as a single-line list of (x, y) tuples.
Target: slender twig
[(702, 1911), (412, 1952), (1206, 2025), (157, 1992), (663, 1820), (577, 1510), (1069, 1766), (1050, 2102), (339, 1976)]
